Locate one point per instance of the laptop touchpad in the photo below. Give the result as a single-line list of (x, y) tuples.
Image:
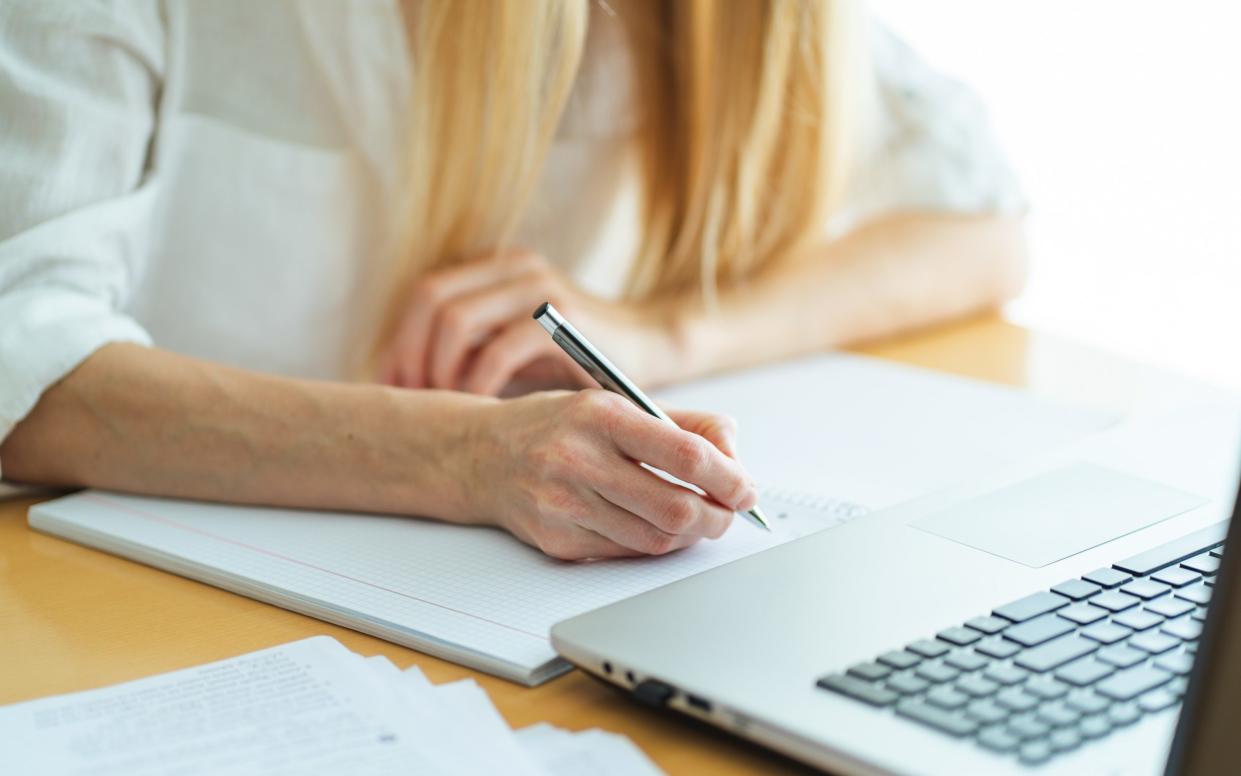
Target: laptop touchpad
[(1061, 513)]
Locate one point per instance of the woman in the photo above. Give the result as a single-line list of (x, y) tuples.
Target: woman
[(215, 217)]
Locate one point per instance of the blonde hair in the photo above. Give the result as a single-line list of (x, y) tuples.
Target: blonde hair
[(743, 107)]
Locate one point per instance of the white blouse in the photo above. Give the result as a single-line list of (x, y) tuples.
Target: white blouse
[(212, 177)]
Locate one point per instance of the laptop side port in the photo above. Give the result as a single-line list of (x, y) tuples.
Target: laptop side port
[(653, 692)]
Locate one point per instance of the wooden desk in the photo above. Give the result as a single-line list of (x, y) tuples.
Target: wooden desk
[(73, 618)]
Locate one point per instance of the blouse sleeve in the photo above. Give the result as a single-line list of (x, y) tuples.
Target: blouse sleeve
[(925, 144), (79, 83)]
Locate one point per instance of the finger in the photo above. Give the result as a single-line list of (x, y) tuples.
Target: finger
[(631, 531), (719, 430), (553, 370), (669, 507), (469, 319), (432, 291), (517, 345), (385, 370), (684, 455)]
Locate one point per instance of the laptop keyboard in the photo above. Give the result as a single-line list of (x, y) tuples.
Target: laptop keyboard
[(1052, 671)]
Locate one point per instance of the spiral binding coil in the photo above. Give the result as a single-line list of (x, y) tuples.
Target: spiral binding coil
[(833, 507)]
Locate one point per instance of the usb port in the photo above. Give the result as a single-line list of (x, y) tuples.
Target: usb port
[(702, 704)]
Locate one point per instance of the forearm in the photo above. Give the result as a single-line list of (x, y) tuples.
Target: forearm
[(149, 421), (892, 275)]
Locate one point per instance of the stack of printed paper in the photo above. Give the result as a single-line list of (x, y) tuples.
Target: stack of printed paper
[(309, 707)]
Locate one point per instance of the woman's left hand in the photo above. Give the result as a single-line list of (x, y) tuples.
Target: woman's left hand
[(470, 328)]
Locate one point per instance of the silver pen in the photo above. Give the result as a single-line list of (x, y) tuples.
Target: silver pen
[(608, 376)]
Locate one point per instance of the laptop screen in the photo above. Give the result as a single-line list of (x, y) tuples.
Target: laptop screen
[(1208, 733)]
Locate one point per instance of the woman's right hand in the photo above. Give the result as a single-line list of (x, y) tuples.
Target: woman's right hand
[(560, 472)]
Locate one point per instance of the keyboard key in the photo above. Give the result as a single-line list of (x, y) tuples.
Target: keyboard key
[(1138, 619), (1016, 699), (1198, 594), (1094, 726), (1209, 581), (937, 672), (1177, 686), (856, 688), (1046, 687), (998, 740), (1077, 589), (959, 636), (1122, 656), (1170, 607), (1108, 577), (1157, 700), (1185, 629), (1121, 714), (986, 711), (997, 648), (1064, 740), (1146, 589), (1130, 683), (1177, 576), (1153, 642), (1200, 614), (1034, 752), (1218, 552), (1203, 564), (1055, 653), (1106, 632), (1028, 726), (899, 659), (1031, 606), (1115, 601), (1034, 632), (988, 625), (952, 723), (1005, 674), (1083, 672), (928, 648), (907, 684), (1086, 701), (1174, 551), (1058, 714), (871, 672), (977, 686), (966, 661), (1178, 663), (947, 697), (1082, 614)]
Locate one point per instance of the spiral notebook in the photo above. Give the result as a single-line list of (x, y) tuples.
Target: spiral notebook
[(868, 433), (471, 595)]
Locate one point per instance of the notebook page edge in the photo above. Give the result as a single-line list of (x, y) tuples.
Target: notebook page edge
[(46, 517)]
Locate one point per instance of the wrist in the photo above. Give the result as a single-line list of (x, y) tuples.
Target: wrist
[(441, 455)]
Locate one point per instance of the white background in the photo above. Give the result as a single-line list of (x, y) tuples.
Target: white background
[(1123, 120)]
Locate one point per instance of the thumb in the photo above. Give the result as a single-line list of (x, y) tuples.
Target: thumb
[(719, 430)]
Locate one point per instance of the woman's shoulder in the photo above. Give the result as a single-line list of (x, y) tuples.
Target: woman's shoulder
[(910, 92), (84, 32), (925, 140)]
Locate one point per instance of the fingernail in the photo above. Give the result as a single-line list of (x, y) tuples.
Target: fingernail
[(748, 499)]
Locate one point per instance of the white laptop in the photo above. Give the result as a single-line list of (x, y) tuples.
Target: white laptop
[(1044, 619)]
